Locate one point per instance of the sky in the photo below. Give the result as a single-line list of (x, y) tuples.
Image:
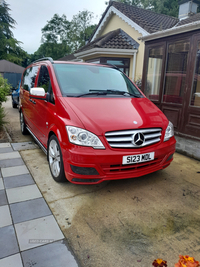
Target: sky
[(32, 15)]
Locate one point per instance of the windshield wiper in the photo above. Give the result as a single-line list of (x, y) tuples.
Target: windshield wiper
[(116, 92), (97, 92), (109, 91)]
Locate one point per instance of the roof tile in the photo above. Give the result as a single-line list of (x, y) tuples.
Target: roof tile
[(117, 39), (191, 19), (147, 19)]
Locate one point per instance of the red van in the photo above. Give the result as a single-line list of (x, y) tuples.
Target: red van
[(93, 123)]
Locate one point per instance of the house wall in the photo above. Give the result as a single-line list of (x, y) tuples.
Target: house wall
[(115, 23)]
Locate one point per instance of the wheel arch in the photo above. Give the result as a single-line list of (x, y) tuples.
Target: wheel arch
[(54, 131)]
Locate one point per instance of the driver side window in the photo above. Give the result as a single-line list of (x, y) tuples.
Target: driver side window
[(44, 79), (45, 82)]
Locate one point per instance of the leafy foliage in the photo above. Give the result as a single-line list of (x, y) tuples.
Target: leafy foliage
[(55, 29), (4, 89), (9, 47), (61, 37), (2, 116), (80, 29)]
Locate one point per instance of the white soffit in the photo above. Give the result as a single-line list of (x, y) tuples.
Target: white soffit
[(114, 10), (105, 51), (172, 31)]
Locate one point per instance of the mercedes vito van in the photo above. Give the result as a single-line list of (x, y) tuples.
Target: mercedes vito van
[(92, 122)]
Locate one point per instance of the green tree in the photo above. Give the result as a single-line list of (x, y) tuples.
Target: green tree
[(61, 37), (9, 47), (4, 91), (80, 29), (55, 30)]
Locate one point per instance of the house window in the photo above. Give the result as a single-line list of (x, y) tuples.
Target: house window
[(155, 60), (195, 96), (95, 61), (121, 63), (175, 74)]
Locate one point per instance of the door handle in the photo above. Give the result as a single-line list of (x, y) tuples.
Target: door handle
[(32, 101)]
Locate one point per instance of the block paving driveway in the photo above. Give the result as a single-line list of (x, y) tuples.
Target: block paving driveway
[(29, 233)]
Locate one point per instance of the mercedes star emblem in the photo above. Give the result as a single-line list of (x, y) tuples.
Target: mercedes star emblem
[(138, 139)]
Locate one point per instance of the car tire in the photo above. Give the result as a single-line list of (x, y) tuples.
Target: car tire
[(23, 124), (55, 160)]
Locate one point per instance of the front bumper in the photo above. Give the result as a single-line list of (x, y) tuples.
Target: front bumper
[(85, 165)]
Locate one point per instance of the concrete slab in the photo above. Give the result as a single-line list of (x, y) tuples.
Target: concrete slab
[(3, 198), (5, 163), (23, 146), (38, 232), (5, 218), (4, 145), (51, 255), (11, 155), (5, 149), (23, 193), (1, 184), (18, 170), (18, 181), (12, 261), (8, 241), (29, 210)]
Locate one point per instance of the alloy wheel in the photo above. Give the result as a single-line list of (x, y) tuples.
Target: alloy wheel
[(54, 158)]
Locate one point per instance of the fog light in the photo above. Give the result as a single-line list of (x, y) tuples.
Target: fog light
[(170, 157), (84, 171)]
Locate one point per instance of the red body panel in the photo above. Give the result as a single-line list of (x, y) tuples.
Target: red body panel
[(98, 115)]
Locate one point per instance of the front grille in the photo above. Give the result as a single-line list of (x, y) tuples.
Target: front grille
[(119, 168), (127, 138)]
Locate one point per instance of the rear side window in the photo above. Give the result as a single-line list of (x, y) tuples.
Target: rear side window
[(44, 79), (29, 78)]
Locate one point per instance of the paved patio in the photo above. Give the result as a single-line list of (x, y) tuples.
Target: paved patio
[(29, 233)]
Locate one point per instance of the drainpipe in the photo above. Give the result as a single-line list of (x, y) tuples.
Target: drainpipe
[(134, 65)]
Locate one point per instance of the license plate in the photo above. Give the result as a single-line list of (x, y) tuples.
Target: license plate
[(132, 159)]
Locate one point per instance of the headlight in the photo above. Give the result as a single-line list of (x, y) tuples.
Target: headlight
[(82, 137), (169, 132)]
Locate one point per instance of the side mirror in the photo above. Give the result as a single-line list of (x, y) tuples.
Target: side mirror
[(37, 93)]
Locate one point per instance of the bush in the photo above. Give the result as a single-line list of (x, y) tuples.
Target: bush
[(2, 117), (4, 89)]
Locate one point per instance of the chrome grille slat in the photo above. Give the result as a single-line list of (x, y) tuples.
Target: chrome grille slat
[(149, 136), (110, 139), (124, 139), (129, 132)]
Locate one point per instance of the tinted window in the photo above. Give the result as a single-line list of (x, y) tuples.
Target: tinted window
[(29, 78), (81, 79), (175, 75), (154, 71), (195, 100), (44, 79)]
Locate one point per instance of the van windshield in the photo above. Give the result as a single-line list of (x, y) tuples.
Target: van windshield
[(89, 80)]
